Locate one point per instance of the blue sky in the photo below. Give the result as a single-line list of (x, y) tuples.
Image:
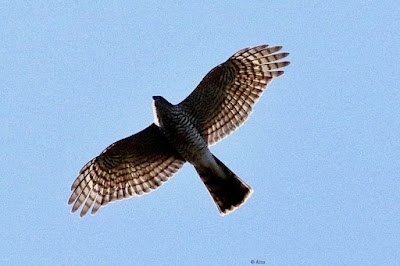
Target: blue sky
[(321, 149)]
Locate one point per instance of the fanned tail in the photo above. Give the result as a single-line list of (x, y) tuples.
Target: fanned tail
[(228, 192)]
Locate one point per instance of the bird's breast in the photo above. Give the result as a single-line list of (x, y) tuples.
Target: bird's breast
[(182, 133)]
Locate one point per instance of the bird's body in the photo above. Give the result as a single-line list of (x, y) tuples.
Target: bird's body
[(183, 133), (179, 128)]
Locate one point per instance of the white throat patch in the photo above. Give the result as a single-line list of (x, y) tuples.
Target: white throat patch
[(156, 120)]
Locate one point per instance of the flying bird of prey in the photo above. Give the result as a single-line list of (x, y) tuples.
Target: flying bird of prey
[(183, 133)]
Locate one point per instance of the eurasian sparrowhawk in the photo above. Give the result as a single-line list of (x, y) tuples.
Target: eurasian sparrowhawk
[(183, 133)]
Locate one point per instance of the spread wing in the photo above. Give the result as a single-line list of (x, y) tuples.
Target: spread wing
[(132, 166), (225, 97)]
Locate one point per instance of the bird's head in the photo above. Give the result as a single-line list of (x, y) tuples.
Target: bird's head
[(160, 102), (159, 99), (160, 107)]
